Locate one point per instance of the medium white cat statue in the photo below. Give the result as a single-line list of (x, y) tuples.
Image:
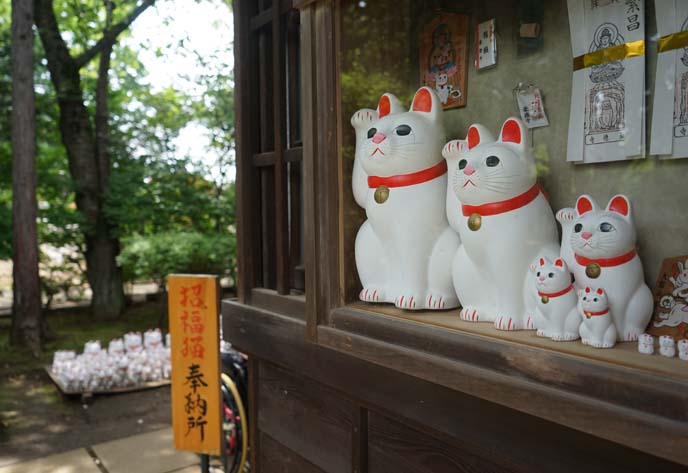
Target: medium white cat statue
[(556, 310), (599, 247), (504, 221), (667, 346), (597, 328), (405, 248)]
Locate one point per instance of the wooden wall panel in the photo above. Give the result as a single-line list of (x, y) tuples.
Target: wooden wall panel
[(276, 458), (307, 418), (394, 447)]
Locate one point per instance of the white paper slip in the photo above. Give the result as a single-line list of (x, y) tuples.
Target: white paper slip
[(607, 119), (669, 137)]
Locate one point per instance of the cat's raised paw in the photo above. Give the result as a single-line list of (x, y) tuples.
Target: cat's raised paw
[(507, 322), (371, 294), (566, 215), (452, 149), (363, 117)]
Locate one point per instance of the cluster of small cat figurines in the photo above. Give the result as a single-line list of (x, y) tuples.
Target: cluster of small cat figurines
[(129, 361), (465, 223), (667, 346)]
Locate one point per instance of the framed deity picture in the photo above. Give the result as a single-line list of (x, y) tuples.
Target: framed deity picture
[(443, 57), (670, 315)]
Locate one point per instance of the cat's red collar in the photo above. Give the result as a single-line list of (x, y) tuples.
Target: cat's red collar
[(606, 262), (496, 208), (403, 180), (556, 294), (595, 314)]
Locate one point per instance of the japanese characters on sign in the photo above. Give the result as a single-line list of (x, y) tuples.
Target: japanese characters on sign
[(193, 314)]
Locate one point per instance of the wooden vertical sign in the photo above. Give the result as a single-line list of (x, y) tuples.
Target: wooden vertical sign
[(196, 401)]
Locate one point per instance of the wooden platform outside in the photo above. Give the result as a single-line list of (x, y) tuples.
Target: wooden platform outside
[(127, 389)]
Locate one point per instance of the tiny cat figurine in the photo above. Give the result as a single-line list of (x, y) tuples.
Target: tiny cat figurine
[(556, 311), (646, 344), (133, 343), (116, 347), (405, 248), (683, 349), (597, 328), (152, 339), (667, 346), (504, 221), (599, 248), (92, 348)]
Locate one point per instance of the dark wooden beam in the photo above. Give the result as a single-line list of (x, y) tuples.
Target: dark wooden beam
[(247, 187), (281, 215)]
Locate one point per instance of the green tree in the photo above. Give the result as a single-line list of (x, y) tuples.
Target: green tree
[(85, 134)]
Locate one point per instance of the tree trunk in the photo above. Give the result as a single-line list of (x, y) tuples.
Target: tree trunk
[(26, 305), (87, 150)]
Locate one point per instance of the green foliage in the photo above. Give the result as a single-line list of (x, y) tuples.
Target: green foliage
[(154, 257), (151, 190)]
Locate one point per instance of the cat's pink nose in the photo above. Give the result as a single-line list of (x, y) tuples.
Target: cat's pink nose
[(586, 235), (469, 170), (378, 138)]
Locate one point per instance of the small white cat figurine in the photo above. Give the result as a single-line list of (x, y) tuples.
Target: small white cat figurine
[(646, 344), (504, 221), (597, 328), (599, 248), (152, 339), (116, 347), (133, 343), (404, 249), (556, 311), (683, 349), (667, 346)]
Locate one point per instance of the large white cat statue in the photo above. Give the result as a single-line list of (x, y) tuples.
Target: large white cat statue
[(405, 248), (504, 221), (599, 247)]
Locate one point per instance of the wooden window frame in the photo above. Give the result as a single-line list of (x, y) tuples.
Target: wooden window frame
[(639, 408), (268, 158)]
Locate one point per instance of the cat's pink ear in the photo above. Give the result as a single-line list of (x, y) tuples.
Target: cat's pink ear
[(422, 102), (600, 291), (585, 204), (542, 262), (620, 204), (473, 137), (587, 290), (559, 262), (383, 107), (513, 131)]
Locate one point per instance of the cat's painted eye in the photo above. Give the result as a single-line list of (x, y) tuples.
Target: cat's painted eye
[(606, 227), (372, 132), (585, 298), (492, 161), (538, 274), (462, 163), (595, 299), (578, 227), (402, 130), (551, 275)]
